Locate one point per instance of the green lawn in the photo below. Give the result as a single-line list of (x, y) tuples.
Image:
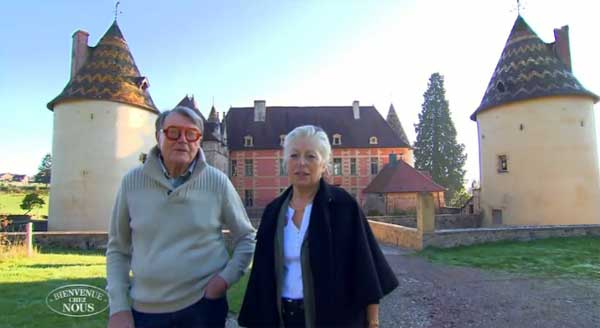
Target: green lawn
[(9, 204), (577, 257), (25, 283)]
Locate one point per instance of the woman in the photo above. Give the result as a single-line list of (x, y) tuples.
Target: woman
[(316, 262)]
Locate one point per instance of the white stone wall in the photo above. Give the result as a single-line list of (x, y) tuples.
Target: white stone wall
[(94, 144)]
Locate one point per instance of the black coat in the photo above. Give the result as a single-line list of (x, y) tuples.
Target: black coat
[(349, 270)]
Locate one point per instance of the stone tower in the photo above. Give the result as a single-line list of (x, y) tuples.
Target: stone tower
[(213, 142), (103, 121), (537, 136)]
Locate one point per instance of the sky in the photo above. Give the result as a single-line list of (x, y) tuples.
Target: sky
[(294, 53)]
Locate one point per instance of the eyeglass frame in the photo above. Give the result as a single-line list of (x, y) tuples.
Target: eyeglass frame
[(179, 130)]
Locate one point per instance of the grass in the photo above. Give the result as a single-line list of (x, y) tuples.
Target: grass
[(575, 257), (25, 283), (10, 204)]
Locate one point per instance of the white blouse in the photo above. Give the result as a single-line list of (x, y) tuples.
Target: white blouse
[(292, 244)]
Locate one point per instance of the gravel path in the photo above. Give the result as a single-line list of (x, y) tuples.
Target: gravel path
[(438, 296), (433, 295)]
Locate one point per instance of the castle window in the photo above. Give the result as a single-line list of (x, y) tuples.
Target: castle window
[(248, 198), (502, 164), (233, 168), (373, 140), (282, 170), (337, 166), (281, 139), (248, 168), (353, 166), (248, 141), (337, 139), (374, 166)]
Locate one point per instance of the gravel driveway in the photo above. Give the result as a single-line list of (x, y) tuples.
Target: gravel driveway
[(438, 296), (434, 295)]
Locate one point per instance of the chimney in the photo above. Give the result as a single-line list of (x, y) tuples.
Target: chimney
[(80, 51), (393, 159), (561, 45), (260, 108), (356, 109)]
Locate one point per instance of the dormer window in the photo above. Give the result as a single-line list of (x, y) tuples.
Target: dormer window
[(281, 139), (337, 139), (373, 141), (248, 141), (142, 83)]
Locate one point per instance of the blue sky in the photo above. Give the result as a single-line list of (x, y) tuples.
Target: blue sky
[(286, 52)]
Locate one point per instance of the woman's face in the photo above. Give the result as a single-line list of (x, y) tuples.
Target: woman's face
[(305, 166)]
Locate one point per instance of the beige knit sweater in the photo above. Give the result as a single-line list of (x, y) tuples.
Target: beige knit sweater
[(171, 240)]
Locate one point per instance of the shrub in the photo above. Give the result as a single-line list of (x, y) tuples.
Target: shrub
[(31, 201)]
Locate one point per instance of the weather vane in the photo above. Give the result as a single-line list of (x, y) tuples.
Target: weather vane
[(117, 12)]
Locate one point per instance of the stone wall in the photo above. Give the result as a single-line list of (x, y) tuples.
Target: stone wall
[(463, 237), (396, 235), (442, 221), (76, 240)]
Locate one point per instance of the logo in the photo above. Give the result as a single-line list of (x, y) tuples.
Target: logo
[(77, 300)]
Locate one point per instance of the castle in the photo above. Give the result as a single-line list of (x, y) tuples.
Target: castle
[(533, 111)]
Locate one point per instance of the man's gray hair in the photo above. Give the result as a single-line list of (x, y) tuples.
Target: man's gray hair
[(312, 133), (185, 111)]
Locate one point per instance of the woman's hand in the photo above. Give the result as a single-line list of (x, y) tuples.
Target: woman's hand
[(373, 315)]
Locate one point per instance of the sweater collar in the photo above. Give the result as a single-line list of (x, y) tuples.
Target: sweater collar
[(153, 167)]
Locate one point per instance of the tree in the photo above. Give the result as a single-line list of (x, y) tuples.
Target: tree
[(43, 175), (31, 201), (436, 149)]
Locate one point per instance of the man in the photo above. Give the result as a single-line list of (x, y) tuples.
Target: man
[(166, 230)]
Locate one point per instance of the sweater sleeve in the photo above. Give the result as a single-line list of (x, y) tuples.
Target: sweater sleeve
[(242, 234), (118, 255)]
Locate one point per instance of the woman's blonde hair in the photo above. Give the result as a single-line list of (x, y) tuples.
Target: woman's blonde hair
[(312, 133)]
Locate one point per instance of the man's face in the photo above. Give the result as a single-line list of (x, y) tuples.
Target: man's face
[(181, 151)]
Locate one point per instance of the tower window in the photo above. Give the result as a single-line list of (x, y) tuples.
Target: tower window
[(502, 164), (248, 141), (500, 86), (373, 140), (337, 139)]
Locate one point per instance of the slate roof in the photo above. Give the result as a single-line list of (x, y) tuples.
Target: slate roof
[(190, 102), (109, 73), (528, 68), (401, 177), (334, 120), (394, 122)]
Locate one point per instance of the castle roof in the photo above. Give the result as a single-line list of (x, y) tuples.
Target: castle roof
[(529, 68), (109, 73), (398, 176), (355, 133), (190, 102)]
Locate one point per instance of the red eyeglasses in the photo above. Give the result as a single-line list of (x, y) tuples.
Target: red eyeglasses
[(174, 132)]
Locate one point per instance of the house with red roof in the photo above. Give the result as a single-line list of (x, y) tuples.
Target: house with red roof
[(395, 189)]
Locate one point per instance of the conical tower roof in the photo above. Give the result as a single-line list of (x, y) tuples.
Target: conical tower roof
[(190, 102), (394, 122), (109, 73), (213, 116), (528, 68)]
